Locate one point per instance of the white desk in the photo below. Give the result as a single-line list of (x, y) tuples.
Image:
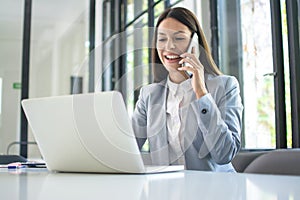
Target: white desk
[(32, 184)]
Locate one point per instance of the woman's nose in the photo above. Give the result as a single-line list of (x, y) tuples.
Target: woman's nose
[(170, 44)]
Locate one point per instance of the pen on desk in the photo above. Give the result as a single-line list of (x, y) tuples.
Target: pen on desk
[(15, 166)]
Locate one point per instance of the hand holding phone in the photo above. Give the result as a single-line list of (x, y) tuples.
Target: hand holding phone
[(193, 43)]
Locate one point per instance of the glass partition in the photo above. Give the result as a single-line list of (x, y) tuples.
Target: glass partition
[(59, 46), (11, 31), (59, 50)]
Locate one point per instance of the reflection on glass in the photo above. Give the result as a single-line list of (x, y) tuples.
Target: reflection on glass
[(135, 8), (158, 9), (137, 59), (138, 42)]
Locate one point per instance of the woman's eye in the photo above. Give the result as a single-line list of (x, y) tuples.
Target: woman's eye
[(162, 39), (180, 38)]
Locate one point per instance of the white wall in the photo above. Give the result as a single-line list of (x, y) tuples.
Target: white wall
[(10, 117)]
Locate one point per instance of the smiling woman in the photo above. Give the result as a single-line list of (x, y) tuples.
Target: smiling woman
[(186, 24), (192, 121)]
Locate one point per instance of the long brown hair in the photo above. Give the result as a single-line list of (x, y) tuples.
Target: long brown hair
[(187, 18)]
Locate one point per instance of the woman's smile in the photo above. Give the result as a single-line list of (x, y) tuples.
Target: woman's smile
[(172, 58)]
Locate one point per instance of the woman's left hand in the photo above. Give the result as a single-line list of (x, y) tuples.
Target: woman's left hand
[(193, 65)]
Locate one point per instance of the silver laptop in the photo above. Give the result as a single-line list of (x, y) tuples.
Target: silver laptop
[(87, 133)]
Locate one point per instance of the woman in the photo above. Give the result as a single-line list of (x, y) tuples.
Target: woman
[(192, 120)]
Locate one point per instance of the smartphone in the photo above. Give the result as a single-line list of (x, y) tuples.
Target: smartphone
[(193, 43)]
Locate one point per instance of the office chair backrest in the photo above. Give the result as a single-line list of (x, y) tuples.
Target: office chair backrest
[(243, 159), (283, 162)]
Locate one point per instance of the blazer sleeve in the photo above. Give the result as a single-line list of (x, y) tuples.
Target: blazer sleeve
[(220, 122), (139, 120)]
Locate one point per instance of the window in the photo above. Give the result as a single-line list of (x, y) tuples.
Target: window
[(139, 40), (254, 47), (257, 67)]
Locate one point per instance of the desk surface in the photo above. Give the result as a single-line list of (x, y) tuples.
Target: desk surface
[(35, 184)]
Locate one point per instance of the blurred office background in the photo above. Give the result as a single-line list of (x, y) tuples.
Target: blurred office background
[(59, 47)]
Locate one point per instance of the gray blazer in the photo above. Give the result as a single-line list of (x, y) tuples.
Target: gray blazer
[(216, 121)]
